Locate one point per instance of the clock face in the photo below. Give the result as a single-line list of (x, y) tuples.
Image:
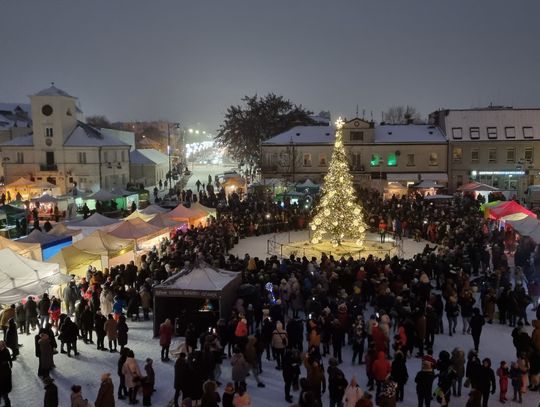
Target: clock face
[(48, 141), (356, 123), (47, 110)]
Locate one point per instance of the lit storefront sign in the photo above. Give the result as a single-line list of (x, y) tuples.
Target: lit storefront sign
[(507, 173)]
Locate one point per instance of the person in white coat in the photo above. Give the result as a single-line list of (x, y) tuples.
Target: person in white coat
[(133, 376), (353, 393)]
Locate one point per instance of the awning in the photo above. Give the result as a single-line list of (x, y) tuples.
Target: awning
[(412, 177), (434, 176)]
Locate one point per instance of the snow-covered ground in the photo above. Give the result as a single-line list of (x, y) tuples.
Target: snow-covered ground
[(85, 370)]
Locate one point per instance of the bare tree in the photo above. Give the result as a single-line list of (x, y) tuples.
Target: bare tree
[(99, 121), (402, 115)]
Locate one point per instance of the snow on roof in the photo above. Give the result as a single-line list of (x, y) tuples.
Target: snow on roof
[(12, 107), (147, 156), (305, 135), (85, 135), (53, 91), (408, 133), (26, 140)]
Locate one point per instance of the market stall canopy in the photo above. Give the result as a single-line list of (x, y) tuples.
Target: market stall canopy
[(104, 244), (45, 198), (201, 281), (28, 250), (43, 185), (94, 220), (515, 216), (61, 230), (267, 182), (36, 236), (427, 184), (122, 192), (20, 276), (103, 195), (506, 208), (136, 229), (307, 184), (163, 220), (524, 226), (75, 261), (139, 215), (477, 187), (199, 207), (11, 210), (487, 205), (186, 214), (154, 209), (20, 183)]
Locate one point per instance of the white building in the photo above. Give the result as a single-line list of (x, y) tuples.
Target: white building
[(64, 150), (148, 166), (499, 146)]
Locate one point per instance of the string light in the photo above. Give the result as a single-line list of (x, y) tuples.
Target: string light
[(339, 215)]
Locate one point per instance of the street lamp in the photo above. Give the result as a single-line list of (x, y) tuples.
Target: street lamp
[(169, 126)]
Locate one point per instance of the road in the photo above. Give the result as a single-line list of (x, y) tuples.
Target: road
[(200, 172)]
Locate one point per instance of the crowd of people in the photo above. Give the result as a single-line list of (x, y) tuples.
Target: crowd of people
[(385, 310)]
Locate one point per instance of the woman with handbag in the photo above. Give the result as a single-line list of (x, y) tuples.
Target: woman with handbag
[(132, 376)]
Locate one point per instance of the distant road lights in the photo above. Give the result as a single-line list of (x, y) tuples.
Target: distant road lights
[(190, 130), (196, 131)]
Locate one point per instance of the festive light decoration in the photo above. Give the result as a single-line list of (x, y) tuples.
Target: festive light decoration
[(338, 215)]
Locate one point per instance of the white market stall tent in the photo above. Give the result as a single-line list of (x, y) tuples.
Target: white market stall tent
[(153, 210), (144, 234), (93, 223), (20, 276)]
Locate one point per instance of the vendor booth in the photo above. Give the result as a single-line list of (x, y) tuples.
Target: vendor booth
[(93, 223), (200, 295), (21, 277), (12, 221), (113, 250), (209, 211), (163, 220), (20, 186), (189, 215), (153, 210), (308, 187), (73, 261), (50, 244), (395, 189), (43, 187), (506, 208), (28, 250), (61, 230), (145, 235), (139, 215), (234, 184)]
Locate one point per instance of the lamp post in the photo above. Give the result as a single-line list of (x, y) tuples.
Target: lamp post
[(174, 126)]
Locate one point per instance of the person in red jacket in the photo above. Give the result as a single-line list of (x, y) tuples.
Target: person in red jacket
[(379, 338), (380, 370), (165, 336)]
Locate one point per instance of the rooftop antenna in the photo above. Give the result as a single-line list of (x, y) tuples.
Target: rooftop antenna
[(356, 110), (52, 83), (363, 114), (372, 115)]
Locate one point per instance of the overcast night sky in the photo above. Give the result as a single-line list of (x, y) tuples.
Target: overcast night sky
[(187, 61)]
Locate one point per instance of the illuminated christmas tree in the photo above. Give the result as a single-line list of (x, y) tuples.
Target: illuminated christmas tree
[(338, 215)]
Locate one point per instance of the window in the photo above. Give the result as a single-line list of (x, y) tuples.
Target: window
[(410, 160), (433, 158), (391, 160), (307, 160), (529, 157), (357, 136), (492, 155), (511, 155), (492, 132), (355, 161), (474, 133), (375, 160), (528, 132), (322, 160), (457, 154), (510, 132), (82, 157), (20, 157), (475, 155), (48, 132), (457, 133)]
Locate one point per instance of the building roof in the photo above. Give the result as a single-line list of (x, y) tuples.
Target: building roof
[(12, 107), (53, 91), (21, 141), (305, 135), (408, 133), (147, 156), (85, 135)]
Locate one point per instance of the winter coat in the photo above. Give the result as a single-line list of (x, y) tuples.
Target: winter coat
[(181, 373), (106, 299), (352, 395), (458, 362), (399, 369), (241, 330), (111, 329), (424, 382), (30, 310), (240, 368), (477, 322), (12, 339), (78, 401), (69, 331), (165, 334), (381, 367), (105, 396), (132, 373), (535, 338), (486, 379), (336, 383), (20, 314), (146, 299), (5, 377), (279, 337), (6, 316), (99, 325), (44, 306), (45, 353), (122, 330), (51, 396)]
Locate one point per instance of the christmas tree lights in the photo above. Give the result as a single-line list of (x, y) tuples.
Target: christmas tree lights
[(338, 215)]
